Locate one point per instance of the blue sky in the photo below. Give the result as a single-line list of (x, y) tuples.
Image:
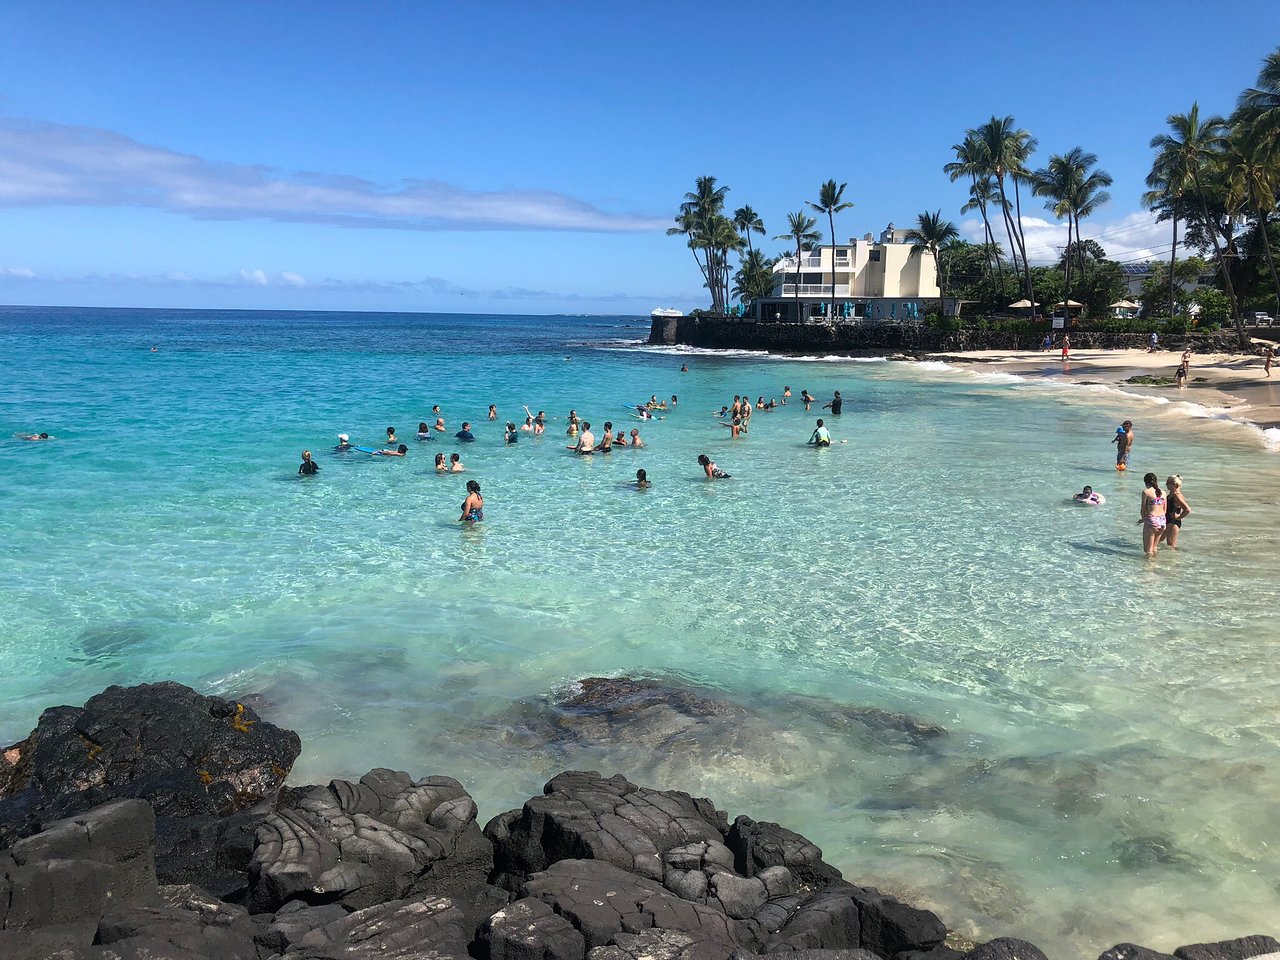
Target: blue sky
[(526, 158)]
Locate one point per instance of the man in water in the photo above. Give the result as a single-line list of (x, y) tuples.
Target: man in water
[(309, 467), (1124, 444), (821, 436), (344, 443), (586, 440), (834, 406), (37, 436), (465, 435)]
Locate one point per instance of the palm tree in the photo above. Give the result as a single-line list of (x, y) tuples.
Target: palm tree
[(1260, 106), (932, 233), (1166, 196), (1252, 167), (801, 231), (1191, 147), (983, 193), (754, 279), (831, 201), (1074, 191), (698, 219), (971, 162), (687, 226), (747, 222)]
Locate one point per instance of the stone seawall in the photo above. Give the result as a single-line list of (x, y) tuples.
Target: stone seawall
[(818, 337)]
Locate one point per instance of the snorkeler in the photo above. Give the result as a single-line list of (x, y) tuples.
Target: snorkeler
[(473, 505), (34, 436), (309, 467)]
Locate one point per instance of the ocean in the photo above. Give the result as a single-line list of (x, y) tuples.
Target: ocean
[(1104, 741)]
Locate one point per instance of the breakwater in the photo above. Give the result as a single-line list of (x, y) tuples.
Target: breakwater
[(853, 338)]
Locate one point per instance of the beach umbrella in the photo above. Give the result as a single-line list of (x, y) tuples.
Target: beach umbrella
[(1020, 305), (1122, 305), (1069, 303)]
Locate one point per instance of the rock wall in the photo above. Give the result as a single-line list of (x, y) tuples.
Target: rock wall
[(874, 339)]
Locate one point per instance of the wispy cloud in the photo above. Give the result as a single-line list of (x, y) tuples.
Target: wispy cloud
[(50, 164), (1135, 236), (17, 273)]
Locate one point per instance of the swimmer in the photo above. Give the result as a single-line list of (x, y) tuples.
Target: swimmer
[(723, 411), (586, 441), (684, 368), (621, 439), (539, 424), (473, 505), (435, 409), (493, 412), (606, 438), (573, 430), (786, 395), (573, 417), (440, 424), (736, 428), (344, 443), (465, 435), (527, 426), (1089, 498), (635, 439), (736, 409), (834, 406), (34, 436), (760, 403), (441, 466), (455, 463), (424, 432), (642, 480), (642, 412), (710, 469), (309, 467), (1151, 515), (821, 436), (804, 396), (391, 437), (512, 435), (674, 400), (400, 451)]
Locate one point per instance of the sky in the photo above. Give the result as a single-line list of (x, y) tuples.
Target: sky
[(528, 158)]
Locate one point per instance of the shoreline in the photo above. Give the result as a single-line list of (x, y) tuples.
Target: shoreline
[(1232, 382)]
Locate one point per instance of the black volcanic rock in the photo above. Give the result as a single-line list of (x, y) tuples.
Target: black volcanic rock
[(1240, 949), (1006, 948), (186, 754), (385, 838)]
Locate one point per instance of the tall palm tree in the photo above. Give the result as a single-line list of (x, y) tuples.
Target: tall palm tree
[(687, 226), (971, 162), (1260, 105), (1005, 151), (982, 194), (1252, 167), (932, 233), (1192, 145), (1167, 188), (831, 201), (747, 222), (800, 229), (1090, 195), (1074, 190)]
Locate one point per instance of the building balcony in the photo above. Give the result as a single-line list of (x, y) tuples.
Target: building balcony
[(812, 263), (813, 290)]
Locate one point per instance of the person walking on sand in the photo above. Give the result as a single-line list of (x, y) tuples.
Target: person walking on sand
[(1178, 510), (1124, 444), (1151, 514), (1267, 356), (1066, 347)]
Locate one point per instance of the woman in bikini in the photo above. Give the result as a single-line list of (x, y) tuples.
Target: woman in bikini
[(1151, 514)]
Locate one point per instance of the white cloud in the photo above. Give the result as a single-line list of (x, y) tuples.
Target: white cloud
[(17, 273), (293, 279), (254, 278), (1132, 237), (49, 164)]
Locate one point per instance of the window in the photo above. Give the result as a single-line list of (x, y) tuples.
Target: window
[(875, 256)]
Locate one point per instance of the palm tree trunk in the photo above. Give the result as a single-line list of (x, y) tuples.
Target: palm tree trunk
[(1271, 264), (1212, 230), (1173, 259), (797, 287), (1008, 223), (1022, 243), (831, 220), (1066, 279)]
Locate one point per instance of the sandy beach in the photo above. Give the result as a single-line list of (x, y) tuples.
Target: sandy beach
[(1232, 381)]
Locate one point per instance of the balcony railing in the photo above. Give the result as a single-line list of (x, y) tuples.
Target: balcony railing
[(812, 263), (815, 290)]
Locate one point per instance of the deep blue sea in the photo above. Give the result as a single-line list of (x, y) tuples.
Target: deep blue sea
[(1113, 737)]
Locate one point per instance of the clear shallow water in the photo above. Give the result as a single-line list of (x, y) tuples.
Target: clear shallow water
[(1113, 740)]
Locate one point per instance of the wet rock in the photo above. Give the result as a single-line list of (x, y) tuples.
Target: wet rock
[(758, 845), (848, 954), (1130, 951), (585, 816), (890, 926), (400, 930), (186, 754), (385, 838), (1006, 948), (55, 886), (1240, 949)]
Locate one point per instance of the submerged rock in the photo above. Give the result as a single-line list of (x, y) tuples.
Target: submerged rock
[(185, 753)]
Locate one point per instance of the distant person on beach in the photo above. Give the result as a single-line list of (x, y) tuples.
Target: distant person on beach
[(493, 412), (512, 435), (424, 432), (710, 469), (1124, 444), (586, 441), (834, 406), (465, 435), (1066, 347), (1046, 343), (309, 467), (635, 438), (455, 463), (344, 443), (1186, 360), (821, 435), (473, 505), (1268, 355), (804, 395), (441, 466), (399, 451), (1089, 498), (1180, 376), (1178, 510), (1151, 514), (391, 437), (642, 480)]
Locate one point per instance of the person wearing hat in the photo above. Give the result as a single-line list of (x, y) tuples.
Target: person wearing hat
[(344, 442)]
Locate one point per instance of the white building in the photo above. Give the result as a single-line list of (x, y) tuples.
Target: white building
[(885, 280)]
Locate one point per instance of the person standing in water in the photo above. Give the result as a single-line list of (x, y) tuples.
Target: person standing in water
[(493, 412), (1152, 509), (309, 467), (1124, 444), (837, 402), (642, 480), (473, 505), (1178, 510), (586, 440), (455, 463)]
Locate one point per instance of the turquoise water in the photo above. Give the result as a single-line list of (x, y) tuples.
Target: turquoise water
[(1113, 739)]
